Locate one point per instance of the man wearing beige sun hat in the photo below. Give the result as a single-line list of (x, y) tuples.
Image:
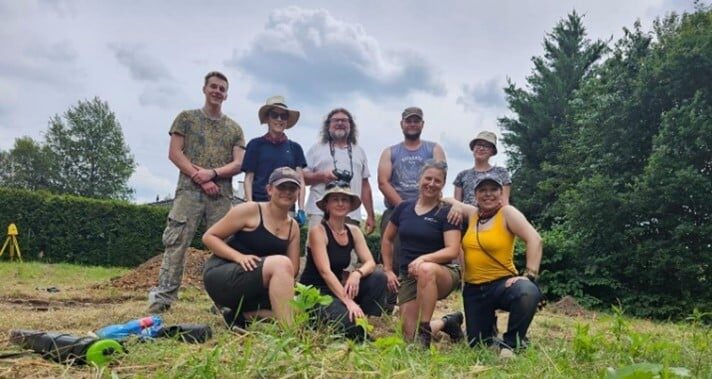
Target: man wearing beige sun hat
[(272, 150)]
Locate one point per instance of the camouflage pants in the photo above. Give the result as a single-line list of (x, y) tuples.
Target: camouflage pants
[(189, 208)]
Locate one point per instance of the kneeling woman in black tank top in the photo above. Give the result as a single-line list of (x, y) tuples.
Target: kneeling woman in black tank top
[(256, 255), (329, 253)]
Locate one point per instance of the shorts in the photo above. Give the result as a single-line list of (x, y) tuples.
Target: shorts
[(408, 289), (229, 285)]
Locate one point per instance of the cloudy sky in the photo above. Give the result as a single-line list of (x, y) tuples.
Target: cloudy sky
[(147, 60)]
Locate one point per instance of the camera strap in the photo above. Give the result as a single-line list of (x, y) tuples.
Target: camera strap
[(333, 155)]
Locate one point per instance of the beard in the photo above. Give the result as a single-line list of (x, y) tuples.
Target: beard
[(338, 135), (412, 136)]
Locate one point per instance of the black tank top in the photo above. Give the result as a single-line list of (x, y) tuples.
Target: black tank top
[(339, 259), (260, 242)]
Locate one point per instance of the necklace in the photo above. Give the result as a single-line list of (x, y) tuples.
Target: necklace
[(337, 232)]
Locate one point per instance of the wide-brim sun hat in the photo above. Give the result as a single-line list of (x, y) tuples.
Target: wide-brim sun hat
[(333, 188), (487, 137), (279, 103)]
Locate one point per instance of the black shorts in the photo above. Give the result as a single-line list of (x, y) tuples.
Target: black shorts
[(229, 285)]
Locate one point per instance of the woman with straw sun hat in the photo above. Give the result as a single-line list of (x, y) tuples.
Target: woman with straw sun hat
[(266, 153)]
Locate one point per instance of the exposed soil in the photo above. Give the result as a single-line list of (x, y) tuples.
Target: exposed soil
[(145, 276), (567, 306)]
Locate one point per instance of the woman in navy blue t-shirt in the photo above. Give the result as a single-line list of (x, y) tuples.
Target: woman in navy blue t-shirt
[(429, 243)]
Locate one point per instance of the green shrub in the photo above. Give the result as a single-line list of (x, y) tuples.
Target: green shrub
[(61, 228)]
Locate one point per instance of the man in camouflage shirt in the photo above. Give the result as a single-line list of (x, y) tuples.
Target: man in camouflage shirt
[(207, 147)]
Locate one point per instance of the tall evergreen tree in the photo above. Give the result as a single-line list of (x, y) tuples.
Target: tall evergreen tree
[(543, 125)]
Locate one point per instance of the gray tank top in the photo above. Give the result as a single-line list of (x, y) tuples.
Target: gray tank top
[(406, 165)]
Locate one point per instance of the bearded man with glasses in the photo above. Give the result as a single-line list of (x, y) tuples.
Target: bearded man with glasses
[(272, 150), (337, 156)]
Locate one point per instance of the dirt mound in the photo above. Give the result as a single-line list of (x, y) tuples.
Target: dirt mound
[(567, 306), (145, 276)]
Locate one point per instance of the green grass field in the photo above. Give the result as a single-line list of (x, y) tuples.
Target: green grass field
[(592, 345)]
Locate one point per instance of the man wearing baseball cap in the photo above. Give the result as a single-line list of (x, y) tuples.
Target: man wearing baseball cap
[(399, 169)]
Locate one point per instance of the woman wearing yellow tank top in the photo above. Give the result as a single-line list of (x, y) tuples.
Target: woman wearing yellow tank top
[(491, 280)]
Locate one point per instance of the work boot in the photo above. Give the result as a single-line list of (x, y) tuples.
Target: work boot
[(424, 335), (453, 326), (157, 308)]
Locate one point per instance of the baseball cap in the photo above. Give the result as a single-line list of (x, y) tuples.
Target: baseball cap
[(412, 111), (282, 175)]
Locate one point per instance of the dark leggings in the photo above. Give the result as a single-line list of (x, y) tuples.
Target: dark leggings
[(481, 301), (371, 299)]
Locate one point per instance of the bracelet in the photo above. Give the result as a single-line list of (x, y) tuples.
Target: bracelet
[(359, 271), (216, 173)]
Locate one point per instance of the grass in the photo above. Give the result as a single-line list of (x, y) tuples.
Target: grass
[(589, 346)]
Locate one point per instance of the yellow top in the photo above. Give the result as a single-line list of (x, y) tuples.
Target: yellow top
[(12, 230), (499, 243)]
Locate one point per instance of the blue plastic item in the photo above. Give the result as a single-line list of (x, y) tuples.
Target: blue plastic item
[(301, 217), (144, 328)]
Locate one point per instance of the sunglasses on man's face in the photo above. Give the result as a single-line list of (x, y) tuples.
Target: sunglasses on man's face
[(278, 115)]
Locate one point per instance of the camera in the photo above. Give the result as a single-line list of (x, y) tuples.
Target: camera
[(343, 175)]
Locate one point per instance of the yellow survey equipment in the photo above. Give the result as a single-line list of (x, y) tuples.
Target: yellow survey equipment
[(11, 241)]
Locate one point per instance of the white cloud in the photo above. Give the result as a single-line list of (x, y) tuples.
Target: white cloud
[(310, 53), (142, 66), (149, 185), (483, 94)]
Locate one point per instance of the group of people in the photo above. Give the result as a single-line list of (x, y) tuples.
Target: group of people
[(430, 245)]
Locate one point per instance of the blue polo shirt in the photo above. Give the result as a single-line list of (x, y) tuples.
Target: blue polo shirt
[(263, 156)]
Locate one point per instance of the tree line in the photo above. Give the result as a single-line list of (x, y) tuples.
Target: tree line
[(610, 147), (611, 151), (83, 154)]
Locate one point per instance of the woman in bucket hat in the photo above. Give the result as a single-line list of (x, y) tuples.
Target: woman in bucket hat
[(256, 255), (272, 150), (483, 147), (330, 243)]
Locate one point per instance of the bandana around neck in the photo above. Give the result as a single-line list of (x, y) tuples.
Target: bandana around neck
[(276, 140)]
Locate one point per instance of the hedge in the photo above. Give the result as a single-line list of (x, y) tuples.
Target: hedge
[(61, 228)]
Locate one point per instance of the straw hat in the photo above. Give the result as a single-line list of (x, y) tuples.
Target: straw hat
[(277, 102)]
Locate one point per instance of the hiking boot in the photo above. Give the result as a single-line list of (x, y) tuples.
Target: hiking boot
[(424, 335), (157, 308), (453, 326)]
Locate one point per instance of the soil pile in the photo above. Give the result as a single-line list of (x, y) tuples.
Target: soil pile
[(567, 306), (145, 276)]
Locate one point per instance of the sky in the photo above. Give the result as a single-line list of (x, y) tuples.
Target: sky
[(375, 58)]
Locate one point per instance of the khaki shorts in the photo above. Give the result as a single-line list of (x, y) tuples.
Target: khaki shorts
[(408, 289)]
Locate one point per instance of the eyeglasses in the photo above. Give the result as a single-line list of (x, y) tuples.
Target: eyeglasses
[(339, 120), (278, 115), (337, 183), (482, 145)]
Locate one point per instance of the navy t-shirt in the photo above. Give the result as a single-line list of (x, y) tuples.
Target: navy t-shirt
[(262, 157), (422, 234)]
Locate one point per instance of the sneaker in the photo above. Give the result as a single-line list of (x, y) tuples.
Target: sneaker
[(157, 308), (453, 326), (424, 335)]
